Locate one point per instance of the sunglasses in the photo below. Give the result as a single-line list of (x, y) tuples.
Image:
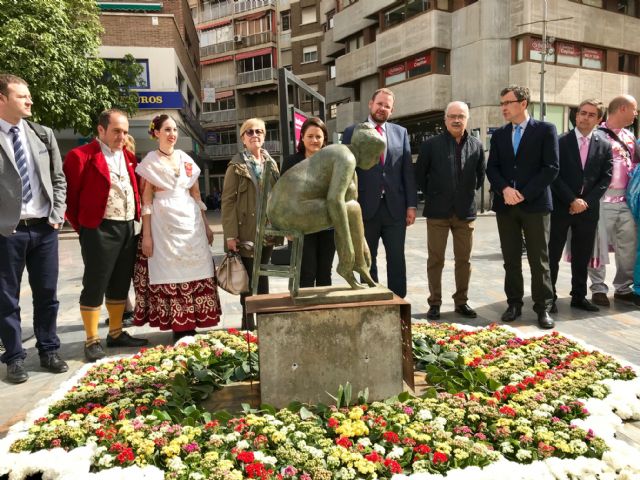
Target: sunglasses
[(253, 131)]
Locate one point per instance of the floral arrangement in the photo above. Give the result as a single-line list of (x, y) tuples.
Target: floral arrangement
[(545, 407)]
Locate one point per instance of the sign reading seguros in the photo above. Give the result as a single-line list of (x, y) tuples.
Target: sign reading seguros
[(160, 100)]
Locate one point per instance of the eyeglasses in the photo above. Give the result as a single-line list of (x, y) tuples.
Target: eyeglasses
[(507, 102), (456, 117), (254, 131)]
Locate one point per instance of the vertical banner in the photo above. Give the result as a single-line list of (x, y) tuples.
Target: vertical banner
[(299, 118)]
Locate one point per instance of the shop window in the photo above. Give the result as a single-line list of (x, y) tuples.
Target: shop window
[(568, 53), (593, 58), (416, 66)]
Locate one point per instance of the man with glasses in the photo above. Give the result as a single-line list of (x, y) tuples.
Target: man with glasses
[(617, 226), (32, 205), (523, 162), (585, 173), (450, 169)]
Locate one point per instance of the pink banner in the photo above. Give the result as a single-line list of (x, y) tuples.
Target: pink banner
[(298, 120)]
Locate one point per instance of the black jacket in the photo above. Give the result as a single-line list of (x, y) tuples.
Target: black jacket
[(290, 161), (435, 174)]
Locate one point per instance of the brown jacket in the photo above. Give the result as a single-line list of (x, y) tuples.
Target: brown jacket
[(240, 202)]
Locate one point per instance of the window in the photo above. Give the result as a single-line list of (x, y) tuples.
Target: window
[(216, 35), (285, 20), (593, 58), (222, 137), (627, 63), (254, 63), (564, 53), (625, 7), (354, 43), (411, 8), (332, 71), (142, 81), (416, 66), (333, 110), (309, 15), (330, 22), (568, 53), (252, 27), (310, 54), (535, 51), (220, 105)]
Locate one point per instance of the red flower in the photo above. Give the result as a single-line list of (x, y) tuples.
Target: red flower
[(440, 457), (374, 457), (344, 442), (422, 449), (333, 422), (245, 457), (393, 466), (257, 470), (506, 410), (391, 437), (233, 331)]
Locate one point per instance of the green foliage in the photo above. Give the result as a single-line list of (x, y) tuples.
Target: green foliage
[(53, 45), (343, 397), (447, 371)]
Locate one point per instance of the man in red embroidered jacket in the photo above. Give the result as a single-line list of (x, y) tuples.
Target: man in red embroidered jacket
[(102, 203)]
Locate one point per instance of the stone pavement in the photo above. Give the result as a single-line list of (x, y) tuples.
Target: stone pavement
[(614, 330)]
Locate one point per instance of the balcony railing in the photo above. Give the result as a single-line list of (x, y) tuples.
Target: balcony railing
[(256, 39), (259, 112), (222, 150), (210, 11), (257, 76), (216, 48), (272, 146), (222, 116)]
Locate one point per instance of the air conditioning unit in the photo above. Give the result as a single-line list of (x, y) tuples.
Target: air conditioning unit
[(237, 38)]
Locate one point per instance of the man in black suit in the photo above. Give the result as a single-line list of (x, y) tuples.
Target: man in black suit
[(585, 173), (449, 170), (523, 161), (387, 192)]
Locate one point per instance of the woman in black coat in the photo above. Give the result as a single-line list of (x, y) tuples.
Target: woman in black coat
[(319, 248)]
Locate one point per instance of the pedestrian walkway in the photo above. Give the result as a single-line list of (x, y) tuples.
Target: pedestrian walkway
[(615, 330)]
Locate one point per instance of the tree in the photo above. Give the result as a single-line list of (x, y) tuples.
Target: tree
[(53, 45)]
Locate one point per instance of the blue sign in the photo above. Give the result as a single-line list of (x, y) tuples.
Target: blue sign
[(160, 100)]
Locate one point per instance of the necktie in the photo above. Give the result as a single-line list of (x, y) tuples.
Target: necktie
[(21, 163), (379, 130), (584, 150), (516, 138)]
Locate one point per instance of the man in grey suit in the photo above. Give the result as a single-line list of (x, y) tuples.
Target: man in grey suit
[(387, 192), (32, 206)]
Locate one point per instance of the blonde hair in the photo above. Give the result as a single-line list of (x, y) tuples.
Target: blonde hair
[(252, 122)]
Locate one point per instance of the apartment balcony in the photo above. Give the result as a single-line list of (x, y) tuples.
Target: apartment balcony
[(222, 116), (422, 94), (330, 48), (272, 146), (210, 12), (352, 19), (356, 65), (429, 30), (348, 114), (226, 150), (216, 49), (262, 111), (257, 76), (256, 39), (335, 93)]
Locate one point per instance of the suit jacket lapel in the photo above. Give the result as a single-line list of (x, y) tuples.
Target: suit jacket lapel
[(574, 151), (100, 161), (38, 162), (593, 146), (528, 132), (8, 150)]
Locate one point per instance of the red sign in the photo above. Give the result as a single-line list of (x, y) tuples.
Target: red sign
[(536, 44), (568, 49), (298, 120), (593, 54), (419, 61), (390, 72)]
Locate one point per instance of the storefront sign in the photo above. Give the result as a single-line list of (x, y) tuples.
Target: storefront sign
[(160, 100)]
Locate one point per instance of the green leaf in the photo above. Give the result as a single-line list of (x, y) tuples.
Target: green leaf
[(295, 406), (404, 396), (430, 393), (305, 413), (265, 407)]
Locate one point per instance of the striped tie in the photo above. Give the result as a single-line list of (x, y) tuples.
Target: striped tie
[(21, 163)]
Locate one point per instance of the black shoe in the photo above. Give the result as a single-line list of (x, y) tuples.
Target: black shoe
[(94, 352), (625, 297), (466, 311), (434, 312), (16, 373), (126, 340), (52, 362), (553, 308), (185, 333), (511, 313), (545, 320), (600, 299), (584, 304)]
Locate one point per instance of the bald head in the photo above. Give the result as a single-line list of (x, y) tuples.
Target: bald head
[(458, 104), (622, 110), (455, 119)]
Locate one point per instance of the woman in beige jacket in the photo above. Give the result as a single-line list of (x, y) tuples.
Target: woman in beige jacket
[(240, 195)]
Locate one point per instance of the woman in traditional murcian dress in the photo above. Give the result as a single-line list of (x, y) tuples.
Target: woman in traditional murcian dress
[(174, 276)]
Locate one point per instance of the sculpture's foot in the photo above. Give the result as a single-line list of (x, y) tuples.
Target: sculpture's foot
[(365, 276), (351, 280)]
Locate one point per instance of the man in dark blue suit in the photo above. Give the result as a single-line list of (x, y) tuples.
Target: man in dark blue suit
[(387, 192), (585, 174), (523, 162)]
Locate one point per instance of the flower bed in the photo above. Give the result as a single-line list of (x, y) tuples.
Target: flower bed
[(544, 407)]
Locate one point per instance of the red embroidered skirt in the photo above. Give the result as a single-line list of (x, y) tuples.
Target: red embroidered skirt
[(174, 306)]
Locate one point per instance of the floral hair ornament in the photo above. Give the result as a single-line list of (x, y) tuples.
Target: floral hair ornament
[(152, 127)]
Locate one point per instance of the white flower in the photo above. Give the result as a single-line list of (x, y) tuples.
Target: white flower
[(242, 445), (364, 442), (424, 414), (396, 452), (175, 464), (506, 447), (379, 449), (523, 454)]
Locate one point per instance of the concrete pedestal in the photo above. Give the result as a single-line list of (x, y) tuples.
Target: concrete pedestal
[(307, 352)]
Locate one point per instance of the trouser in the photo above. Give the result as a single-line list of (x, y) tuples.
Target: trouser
[(263, 286), (393, 232), (512, 223), (36, 248), (621, 233), (318, 250), (108, 253), (583, 233), (437, 235)]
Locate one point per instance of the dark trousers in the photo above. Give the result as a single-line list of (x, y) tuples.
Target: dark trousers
[(35, 247), (392, 231), (263, 286), (512, 224), (583, 233), (318, 251), (437, 235), (108, 253)]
